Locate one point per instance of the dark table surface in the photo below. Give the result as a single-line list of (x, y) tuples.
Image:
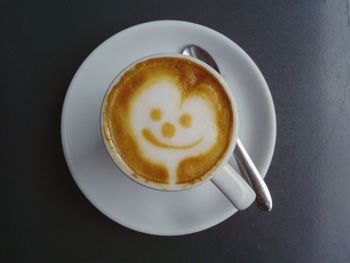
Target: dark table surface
[(303, 50)]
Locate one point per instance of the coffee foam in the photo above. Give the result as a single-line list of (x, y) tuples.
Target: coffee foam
[(169, 119), (185, 142)]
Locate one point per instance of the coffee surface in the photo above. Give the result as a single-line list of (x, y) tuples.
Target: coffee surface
[(169, 119)]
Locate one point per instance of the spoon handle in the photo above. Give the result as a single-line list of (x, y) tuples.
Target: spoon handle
[(248, 169)]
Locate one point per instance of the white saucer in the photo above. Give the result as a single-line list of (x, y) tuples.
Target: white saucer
[(114, 194)]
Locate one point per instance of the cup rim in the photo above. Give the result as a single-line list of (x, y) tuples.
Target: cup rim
[(127, 171)]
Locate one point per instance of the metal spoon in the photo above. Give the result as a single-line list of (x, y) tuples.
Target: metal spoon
[(245, 163)]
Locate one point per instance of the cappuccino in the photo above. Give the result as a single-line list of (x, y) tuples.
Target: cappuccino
[(169, 120)]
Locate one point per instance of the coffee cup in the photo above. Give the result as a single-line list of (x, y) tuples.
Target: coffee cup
[(170, 123)]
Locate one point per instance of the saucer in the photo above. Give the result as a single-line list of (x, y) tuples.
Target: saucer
[(114, 194)]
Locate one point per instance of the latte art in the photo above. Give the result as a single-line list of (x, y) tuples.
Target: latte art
[(169, 119), (167, 140)]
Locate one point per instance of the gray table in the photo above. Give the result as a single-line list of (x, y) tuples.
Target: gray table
[(303, 50)]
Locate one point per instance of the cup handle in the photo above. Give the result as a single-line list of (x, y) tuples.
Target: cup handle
[(234, 187)]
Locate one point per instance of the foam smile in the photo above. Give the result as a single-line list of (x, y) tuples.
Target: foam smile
[(151, 138)]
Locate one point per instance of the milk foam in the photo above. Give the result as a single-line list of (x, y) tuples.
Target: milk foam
[(165, 95), (168, 122)]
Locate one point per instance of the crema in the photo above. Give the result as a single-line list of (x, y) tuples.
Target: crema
[(169, 119)]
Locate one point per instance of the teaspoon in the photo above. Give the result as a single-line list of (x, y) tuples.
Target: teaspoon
[(245, 163)]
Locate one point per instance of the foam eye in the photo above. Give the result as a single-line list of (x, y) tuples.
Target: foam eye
[(156, 114), (185, 120)]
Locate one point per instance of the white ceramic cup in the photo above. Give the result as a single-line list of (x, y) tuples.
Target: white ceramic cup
[(232, 185)]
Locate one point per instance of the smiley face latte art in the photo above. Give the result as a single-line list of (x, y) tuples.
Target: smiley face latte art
[(169, 119)]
